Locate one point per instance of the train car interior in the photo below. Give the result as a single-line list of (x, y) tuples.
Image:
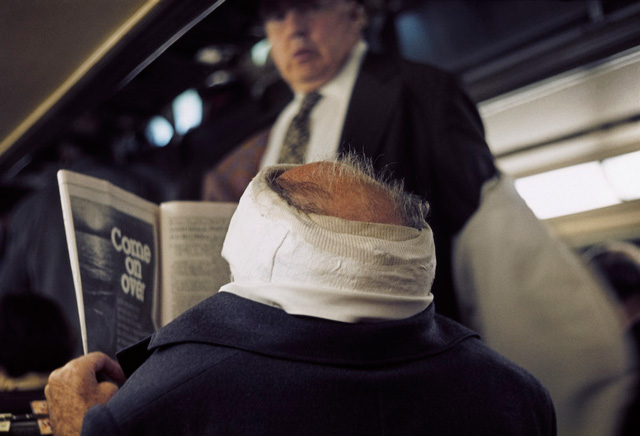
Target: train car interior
[(162, 90)]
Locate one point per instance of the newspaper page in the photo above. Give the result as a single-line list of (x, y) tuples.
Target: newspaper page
[(193, 269), (113, 248)]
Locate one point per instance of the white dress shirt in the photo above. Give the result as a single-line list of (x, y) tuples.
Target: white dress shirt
[(327, 117)]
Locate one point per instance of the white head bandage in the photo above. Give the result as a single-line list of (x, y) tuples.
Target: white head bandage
[(325, 266)]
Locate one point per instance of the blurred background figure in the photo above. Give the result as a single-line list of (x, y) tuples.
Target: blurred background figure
[(35, 258), (36, 339), (618, 264)]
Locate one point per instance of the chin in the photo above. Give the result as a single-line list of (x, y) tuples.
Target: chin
[(311, 75)]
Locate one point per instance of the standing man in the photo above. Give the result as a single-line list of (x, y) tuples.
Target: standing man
[(412, 120)]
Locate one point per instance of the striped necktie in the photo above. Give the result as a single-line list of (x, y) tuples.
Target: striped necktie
[(294, 146)]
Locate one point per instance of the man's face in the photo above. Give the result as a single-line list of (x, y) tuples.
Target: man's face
[(310, 42)]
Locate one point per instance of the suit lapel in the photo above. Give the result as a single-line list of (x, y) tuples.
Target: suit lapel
[(375, 97)]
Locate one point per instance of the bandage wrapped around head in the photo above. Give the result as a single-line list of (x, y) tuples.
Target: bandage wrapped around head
[(324, 266)]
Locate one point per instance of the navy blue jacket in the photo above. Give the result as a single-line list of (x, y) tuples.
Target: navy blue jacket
[(231, 366)]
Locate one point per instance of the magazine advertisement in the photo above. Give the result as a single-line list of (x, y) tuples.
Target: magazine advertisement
[(111, 235), (137, 265)]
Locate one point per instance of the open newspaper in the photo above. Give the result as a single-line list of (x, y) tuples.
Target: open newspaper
[(136, 265)]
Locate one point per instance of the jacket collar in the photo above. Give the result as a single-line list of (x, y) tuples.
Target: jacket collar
[(231, 321)]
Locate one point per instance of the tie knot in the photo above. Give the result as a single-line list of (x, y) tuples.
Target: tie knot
[(308, 102)]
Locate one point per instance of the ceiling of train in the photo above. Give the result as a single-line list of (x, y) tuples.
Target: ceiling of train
[(166, 47)]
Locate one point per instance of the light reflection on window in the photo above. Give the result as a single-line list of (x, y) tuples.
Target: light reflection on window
[(187, 111), (567, 190), (159, 131), (260, 53)]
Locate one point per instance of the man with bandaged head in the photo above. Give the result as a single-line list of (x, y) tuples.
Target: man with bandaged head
[(327, 328)]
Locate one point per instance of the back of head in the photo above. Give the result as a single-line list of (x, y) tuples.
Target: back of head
[(619, 264), (349, 189), (328, 239)]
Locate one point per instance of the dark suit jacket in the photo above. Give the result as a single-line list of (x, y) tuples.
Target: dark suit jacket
[(418, 123), (231, 366), (412, 120)]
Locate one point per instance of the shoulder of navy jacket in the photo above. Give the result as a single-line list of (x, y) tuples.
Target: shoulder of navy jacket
[(227, 320)]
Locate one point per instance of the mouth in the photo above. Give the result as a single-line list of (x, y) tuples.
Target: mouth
[(303, 54)]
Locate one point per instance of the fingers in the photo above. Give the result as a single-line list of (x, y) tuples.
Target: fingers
[(87, 373), (75, 388), (100, 363), (114, 370), (81, 370)]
